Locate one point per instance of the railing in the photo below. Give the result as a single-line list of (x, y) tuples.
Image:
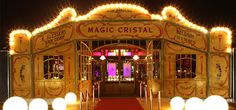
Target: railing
[(143, 86), (158, 100), (151, 98), (96, 86), (86, 98)]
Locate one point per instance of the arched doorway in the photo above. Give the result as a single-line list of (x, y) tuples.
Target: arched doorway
[(116, 67)]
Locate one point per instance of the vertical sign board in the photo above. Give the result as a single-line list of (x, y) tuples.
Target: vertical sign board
[(3, 75)]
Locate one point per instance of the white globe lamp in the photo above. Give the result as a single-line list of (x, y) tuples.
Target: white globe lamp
[(15, 103), (194, 103), (216, 102), (177, 103), (135, 57), (70, 98), (59, 104), (38, 104)]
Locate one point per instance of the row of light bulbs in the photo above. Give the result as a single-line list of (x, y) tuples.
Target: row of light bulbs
[(213, 102), (73, 17), (229, 35), (18, 103)]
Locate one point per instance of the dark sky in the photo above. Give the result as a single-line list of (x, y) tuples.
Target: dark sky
[(30, 14)]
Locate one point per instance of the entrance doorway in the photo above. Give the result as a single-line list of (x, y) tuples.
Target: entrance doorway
[(119, 67)]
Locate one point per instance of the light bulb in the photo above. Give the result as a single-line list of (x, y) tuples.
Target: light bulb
[(15, 103)]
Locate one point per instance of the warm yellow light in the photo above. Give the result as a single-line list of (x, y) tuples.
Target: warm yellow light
[(229, 36), (174, 12), (11, 39), (229, 41), (15, 103), (20, 31), (228, 50), (102, 57), (70, 98), (12, 52), (38, 104), (156, 16), (73, 16), (59, 104), (135, 57), (177, 103), (215, 102), (194, 103), (11, 43)]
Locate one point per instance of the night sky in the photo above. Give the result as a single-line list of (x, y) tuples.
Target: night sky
[(30, 14)]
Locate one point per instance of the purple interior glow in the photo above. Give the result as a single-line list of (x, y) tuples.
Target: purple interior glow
[(111, 68), (111, 54), (127, 53), (127, 69)]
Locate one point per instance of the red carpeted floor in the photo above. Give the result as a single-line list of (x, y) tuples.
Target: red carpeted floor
[(118, 104)]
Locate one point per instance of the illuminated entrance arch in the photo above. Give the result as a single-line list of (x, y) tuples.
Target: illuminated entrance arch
[(176, 49)]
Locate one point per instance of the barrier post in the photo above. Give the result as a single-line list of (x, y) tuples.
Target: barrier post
[(150, 98), (81, 100), (99, 89), (93, 96), (145, 90), (140, 89), (159, 100), (87, 98)]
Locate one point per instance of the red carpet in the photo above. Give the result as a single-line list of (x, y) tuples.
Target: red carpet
[(118, 104)]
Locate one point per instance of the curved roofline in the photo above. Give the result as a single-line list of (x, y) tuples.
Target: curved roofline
[(168, 13)]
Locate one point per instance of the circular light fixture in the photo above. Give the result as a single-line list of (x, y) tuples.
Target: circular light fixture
[(194, 103), (38, 104), (177, 103), (15, 103), (216, 102), (59, 104), (102, 57), (135, 57), (70, 98)]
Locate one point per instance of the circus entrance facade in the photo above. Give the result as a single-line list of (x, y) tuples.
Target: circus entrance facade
[(120, 47)]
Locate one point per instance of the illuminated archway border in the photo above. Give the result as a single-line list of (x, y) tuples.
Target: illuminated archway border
[(168, 13)]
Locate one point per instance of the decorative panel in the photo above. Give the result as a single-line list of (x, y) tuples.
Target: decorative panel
[(119, 30), (21, 44), (169, 88), (185, 36), (21, 74), (119, 14), (54, 89), (219, 41), (219, 74), (185, 88), (52, 38), (201, 90)]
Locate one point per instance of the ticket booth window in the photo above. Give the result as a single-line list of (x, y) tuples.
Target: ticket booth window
[(185, 65), (53, 67)]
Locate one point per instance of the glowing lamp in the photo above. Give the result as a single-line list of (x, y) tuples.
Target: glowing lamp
[(12, 52), (70, 98), (194, 103), (177, 103), (215, 102), (38, 104), (102, 57), (59, 104), (15, 103), (135, 57), (228, 50)]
